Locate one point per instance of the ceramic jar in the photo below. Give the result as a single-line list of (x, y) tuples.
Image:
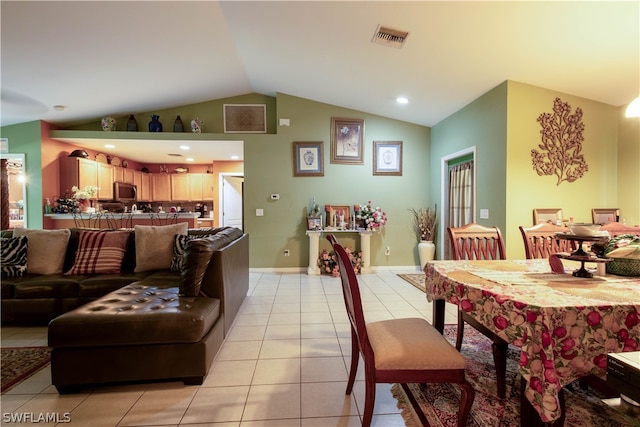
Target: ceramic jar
[(426, 252), (154, 124)]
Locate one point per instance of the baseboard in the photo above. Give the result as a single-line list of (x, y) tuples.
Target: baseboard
[(293, 270)]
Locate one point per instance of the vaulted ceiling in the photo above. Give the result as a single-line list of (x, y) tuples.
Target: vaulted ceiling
[(121, 57)]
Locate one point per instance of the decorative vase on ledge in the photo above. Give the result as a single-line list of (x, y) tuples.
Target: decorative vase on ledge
[(426, 252), (154, 124)]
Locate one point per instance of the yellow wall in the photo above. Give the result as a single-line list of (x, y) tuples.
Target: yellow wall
[(527, 190)]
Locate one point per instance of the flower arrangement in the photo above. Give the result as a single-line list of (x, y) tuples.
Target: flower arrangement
[(371, 218), (86, 193), (425, 223), (328, 262)]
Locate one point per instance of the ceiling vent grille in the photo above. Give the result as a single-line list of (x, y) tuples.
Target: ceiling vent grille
[(389, 37), (175, 155)]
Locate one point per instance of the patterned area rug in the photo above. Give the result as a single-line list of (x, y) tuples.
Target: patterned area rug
[(440, 402), (17, 364), (416, 280)]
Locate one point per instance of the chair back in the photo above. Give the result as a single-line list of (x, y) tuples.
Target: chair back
[(617, 229), (351, 293), (88, 220), (474, 241), (163, 218), (540, 240)]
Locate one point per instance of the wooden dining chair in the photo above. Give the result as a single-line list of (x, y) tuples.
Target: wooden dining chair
[(476, 242), (404, 350), (616, 229), (88, 220), (163, 218), (540, 240)]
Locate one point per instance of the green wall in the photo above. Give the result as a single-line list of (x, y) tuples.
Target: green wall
[(629, 167), (26, 138), (481, 124)]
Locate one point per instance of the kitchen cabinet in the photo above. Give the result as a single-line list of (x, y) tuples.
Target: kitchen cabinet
[(144, 191), (105, 181), (118, 174), (128, 175), (76, 171), (181, 187), (161, 187), (208, 182)]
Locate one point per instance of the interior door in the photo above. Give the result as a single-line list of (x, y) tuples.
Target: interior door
[(231, 209)]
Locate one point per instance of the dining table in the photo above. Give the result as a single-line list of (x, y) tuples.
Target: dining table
[(564, 326)]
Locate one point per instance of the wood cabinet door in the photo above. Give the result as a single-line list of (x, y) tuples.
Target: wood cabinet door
[(128, 175), (208, 182), (144, 191), (105, 181), (180, 184), (118, 174), (195, 186), (161, 187), (87, 173)]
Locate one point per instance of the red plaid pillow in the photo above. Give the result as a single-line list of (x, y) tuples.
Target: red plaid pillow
[(99, 252)]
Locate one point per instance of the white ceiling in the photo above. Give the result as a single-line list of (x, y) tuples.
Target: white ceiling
[(120, 57)]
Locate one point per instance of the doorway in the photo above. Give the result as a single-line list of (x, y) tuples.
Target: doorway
[(448, 162), (14, 197), (231, 210)]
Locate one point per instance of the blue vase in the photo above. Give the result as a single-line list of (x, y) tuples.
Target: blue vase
[(154, 124)]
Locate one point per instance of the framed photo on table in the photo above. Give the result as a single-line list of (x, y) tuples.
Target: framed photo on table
[(387, 158), (347, 141), (340, 217), (308, 159)]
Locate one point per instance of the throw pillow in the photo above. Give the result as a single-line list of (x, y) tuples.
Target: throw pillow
[(13, 256), (99, 252), (179, 245), (154, 245), (46, 249)]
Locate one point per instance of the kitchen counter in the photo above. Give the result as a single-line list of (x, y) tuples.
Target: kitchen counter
[(119, 220)]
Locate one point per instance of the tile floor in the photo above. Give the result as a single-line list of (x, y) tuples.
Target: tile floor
[(283, 364)]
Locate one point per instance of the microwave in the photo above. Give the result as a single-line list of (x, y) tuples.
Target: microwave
[(123, 192)]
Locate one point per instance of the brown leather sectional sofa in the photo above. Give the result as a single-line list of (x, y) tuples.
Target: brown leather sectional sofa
[(136, 326)]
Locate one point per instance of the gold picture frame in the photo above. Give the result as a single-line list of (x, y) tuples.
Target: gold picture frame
[(340, 217), (347, 141), (387, 158), (546, 215), (605, 215)]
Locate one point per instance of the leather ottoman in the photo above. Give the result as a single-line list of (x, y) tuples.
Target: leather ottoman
[(141, 332)]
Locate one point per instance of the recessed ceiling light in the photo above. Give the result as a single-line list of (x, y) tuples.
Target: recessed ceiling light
[(109, 146), (402, 100), (184, 147), (58, 107), (189, 159)]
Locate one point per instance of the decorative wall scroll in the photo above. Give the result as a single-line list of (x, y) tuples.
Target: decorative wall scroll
[(561, 148), (387, 157), (308, 159), (347, 141)]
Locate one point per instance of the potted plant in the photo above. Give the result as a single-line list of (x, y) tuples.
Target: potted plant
[(425, 224)]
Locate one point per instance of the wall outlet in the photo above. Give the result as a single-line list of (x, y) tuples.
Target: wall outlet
[(387, 250), (287, 252), (484, 213), (259, 212)]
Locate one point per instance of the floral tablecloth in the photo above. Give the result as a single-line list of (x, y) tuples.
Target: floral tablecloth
[(564, 325)]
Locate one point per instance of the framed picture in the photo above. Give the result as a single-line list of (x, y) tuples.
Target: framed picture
[(387, 157), (547, 215), (314, 223), (605, 216), (340, 217), (308, 159), (347, 141)]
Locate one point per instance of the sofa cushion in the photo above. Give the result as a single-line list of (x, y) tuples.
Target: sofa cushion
[(46, 286), (154, 245), (46, 249), (100, 252), (13, 256)]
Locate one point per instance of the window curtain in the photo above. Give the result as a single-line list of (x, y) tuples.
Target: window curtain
[(461, 194)]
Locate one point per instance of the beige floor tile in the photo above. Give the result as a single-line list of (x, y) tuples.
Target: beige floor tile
[(385, 402), (290, 422), (251, 319), (246, 333), (320, 347), (280, 349), (255, 309), (282, 332), (216, 404), (274, 401), (230, 373), (277, 371), (36, 383), (316, 317), (284, 319), (160, 406), (326, 399), (318, 330), (286, 308), (314, 307), (319, 369), (239, 350), (351, 421)]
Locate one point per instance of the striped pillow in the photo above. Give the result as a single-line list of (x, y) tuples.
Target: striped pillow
[(13, 256), (99, 252)]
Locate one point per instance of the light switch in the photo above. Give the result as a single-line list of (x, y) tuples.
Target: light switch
[(259, 212), (484, 213)]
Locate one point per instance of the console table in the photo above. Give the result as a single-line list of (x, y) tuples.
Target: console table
[(314, 247)]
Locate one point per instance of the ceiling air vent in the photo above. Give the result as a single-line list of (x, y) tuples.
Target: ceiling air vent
[(389, 37), (175, 155)]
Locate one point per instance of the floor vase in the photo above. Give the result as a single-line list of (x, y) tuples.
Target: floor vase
[(426, 252)]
